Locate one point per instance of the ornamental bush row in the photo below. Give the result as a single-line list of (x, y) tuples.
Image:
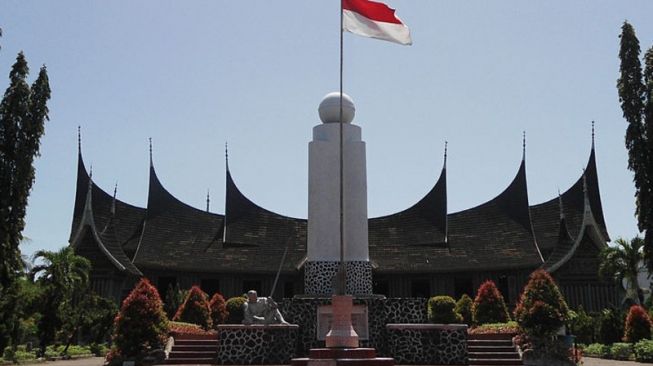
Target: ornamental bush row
[(488, 307)]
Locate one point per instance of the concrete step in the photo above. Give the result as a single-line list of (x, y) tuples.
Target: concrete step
[(491, 336), (192, 354), (494, 355), (199, 348), (489, 343), (342, 353), (490, 349), (495, 362), (376, 361), (196, 342), (191, 361)]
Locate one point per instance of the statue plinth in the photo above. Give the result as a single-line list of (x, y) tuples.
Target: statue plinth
[(342, 333)]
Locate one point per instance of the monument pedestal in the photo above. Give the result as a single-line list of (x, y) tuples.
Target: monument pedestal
[(342, 342), (342, 334)]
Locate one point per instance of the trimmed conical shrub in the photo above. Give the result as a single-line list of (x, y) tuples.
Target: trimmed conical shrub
[(195, 309), (489, 306), (638, 325), (464, 308), (141, 324), (542, 309), (218, 309)]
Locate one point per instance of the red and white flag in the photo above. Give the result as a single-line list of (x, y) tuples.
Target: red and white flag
[(376, 20)]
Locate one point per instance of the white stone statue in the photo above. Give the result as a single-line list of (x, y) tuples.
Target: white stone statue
[(261, 310)]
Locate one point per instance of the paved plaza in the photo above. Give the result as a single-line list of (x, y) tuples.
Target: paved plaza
[(98, 361)]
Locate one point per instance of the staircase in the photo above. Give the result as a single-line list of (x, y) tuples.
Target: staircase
[(492, 349), (190, 349)]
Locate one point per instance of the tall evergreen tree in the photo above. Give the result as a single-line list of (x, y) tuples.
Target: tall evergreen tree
[(633, 98)]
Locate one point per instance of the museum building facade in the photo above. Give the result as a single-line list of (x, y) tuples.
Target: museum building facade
[(419, 252)]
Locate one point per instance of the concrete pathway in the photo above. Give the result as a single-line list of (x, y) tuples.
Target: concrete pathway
[(91, 361), (589, 361)]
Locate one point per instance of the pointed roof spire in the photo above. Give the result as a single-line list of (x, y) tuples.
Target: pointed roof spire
[(226, 154), (113, 203), (562, 212), (208, 199), (523, 156), (592, 135), (79, 140), (446, 143), (90, 172), (151, 163)]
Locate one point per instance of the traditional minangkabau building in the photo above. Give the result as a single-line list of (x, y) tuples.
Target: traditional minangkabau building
[(421, 251)]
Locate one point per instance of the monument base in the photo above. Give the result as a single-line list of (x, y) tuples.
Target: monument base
[(341, 334), (343, 357)]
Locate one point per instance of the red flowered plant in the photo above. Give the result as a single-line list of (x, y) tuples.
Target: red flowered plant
[(195, 309), (489, 306), (542, 310), (140, 325), (638, 325), (219, 311)]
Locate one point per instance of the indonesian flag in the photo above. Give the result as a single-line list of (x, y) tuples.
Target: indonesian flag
[(373, 19)]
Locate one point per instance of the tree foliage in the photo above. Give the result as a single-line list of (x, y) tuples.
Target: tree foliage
[(63, 277), (195, 309), (141, 323), (442, 310), (638, 325), (541, 310), (489, 306), (23, 112), (635, 96), (623, 262), (464, 308), (219, 311)]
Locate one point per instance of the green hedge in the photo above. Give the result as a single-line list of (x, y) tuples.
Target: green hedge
[(621, 351), (442, 310), (644, 351), (597, 350)]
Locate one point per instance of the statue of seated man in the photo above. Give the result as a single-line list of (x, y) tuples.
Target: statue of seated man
[(261, 310)]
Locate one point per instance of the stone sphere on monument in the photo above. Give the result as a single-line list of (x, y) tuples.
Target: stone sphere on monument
[(330, 108)]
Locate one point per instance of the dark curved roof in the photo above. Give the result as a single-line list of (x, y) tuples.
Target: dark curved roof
[(425, 223), (502, 233), (546, 215), (175, 234), (496, 234)]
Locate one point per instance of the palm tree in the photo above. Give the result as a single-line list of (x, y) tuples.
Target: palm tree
[(624, 262), (62, 275)]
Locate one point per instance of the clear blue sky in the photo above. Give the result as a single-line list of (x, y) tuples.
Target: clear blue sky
[(195, 74)]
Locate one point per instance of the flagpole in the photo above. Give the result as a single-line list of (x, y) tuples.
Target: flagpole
[(343, 269)]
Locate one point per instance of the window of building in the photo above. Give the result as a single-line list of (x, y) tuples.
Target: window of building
[(252, 285), (210, 286), (163, 284), (463, 285), (420, 288), (381, 287)]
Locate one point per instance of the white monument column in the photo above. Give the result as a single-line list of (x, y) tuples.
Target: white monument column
[(323, 255)]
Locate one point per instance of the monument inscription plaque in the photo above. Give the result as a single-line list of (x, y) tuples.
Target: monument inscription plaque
[(359, 321)]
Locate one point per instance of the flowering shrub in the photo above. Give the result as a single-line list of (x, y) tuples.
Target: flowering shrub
[(541, 310), (141, 323), (496, 328), (489, 306), (235, 310), (442, 310), (464, 308), (195, 309), (177, 328), (219, 311), (638, 325)]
